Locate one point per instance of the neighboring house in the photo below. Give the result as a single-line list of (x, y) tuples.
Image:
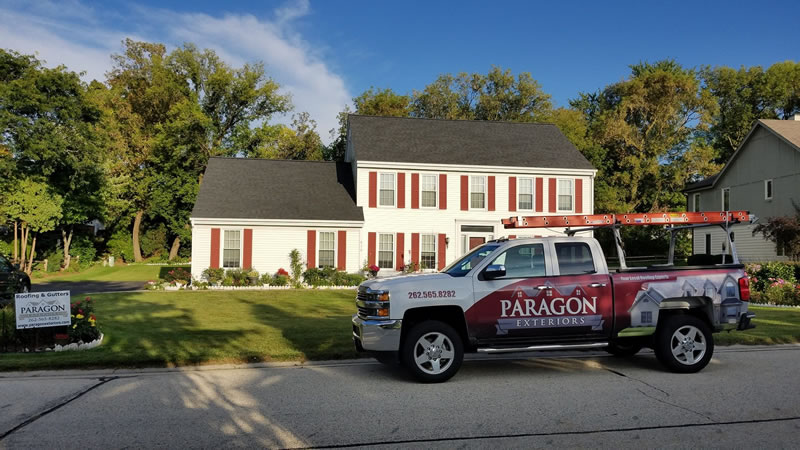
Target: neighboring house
[(763, 177), (411, 190)]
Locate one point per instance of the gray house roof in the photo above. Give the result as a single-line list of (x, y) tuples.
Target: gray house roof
[(463, 142), (239, 188), (787, 130)]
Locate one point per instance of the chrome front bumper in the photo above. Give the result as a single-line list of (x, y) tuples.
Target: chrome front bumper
[(376, 335)]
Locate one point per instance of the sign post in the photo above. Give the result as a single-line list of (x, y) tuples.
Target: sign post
[(42, 309)]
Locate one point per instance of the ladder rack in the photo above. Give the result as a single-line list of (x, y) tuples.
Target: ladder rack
[(673, 222)]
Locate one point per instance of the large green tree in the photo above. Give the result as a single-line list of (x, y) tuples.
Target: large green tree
[(37, 208)]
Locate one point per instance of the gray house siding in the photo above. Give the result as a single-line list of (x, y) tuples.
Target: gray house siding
[(765, 156)]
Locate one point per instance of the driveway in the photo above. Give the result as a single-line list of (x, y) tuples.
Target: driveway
[(746, 397), (87, 287)]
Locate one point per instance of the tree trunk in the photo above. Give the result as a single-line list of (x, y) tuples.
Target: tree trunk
[(67, 238), (176, 245), (29, 269), (16, 255), (24, 247), (137, 222)]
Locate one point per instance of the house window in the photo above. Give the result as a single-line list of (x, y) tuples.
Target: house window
[(696, 203), (565, 195), (387, 189), (647, 316), (327, 249), (429, 191), (726, 199), (767, 189), (231, 249), (708, 244), (477, 192), (525, 196), (386, 251), (428, 252)]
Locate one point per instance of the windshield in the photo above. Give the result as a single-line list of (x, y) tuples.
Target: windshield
[(462, 266)]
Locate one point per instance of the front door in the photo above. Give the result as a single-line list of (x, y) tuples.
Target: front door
[(475, 241)]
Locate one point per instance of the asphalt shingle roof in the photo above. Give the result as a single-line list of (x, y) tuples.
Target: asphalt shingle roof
[(245, 188), (462, 142)]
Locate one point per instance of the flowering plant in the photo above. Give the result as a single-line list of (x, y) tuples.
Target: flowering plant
[(178, 275), (374, 268), (282, 272), (84, 322)]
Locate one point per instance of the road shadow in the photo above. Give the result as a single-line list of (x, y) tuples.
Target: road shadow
[(87, 287)]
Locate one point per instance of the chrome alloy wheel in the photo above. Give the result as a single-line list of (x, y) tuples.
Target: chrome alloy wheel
[(434, 353), (688, 345)]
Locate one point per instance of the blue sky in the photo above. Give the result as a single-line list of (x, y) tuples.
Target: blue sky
[(326, 52)]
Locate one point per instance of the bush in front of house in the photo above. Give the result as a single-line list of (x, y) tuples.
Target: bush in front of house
[(762, 276), (178, 275), (214, 276), (84, 323), (281, 278), (328, 276), (779, 294)]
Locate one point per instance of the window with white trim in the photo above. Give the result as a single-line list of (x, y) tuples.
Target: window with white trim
[(726, 199), (429, 191), (565, 195), (327, 249), (428, 252), (767, 189), (696, 206), (477, 192), (525, 194), (386, 251), (387, 189), (231, 249)]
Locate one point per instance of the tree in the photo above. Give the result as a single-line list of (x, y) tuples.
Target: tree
[(382, 102), (49, 125), (649, 127), (301, 141), (783, 88), (37, 208), (784, 231)]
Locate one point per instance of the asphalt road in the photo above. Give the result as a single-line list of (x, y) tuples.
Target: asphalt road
[(87, 287), (746, 397)]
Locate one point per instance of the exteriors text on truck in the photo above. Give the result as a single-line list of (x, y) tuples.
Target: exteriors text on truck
[(555, 293)]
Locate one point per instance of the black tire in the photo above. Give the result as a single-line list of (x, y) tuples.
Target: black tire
[(624, 347), (442, 341), (688, 355)]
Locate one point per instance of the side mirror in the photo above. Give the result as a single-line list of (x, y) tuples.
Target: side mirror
[(494, 271)]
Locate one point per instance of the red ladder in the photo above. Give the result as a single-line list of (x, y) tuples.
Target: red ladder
[(597, 220)]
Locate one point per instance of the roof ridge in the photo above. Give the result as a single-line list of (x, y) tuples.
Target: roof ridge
[(451, 120), (248, 158)]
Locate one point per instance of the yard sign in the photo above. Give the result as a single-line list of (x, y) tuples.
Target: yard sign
[(42, 309)]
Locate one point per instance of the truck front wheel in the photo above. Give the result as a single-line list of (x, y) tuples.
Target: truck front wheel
[(684, 343), (432, 351)]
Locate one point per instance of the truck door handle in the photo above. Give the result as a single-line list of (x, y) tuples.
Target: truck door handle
[(543, 287), (597, 285)]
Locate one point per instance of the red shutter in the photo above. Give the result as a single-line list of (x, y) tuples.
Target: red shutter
[(401, 190), (373, 189), (414, 191), (442, 191), (539, 195), (341, 250), (371, 249), (512, 193), (441, 249), (464, 193), (311, 248), (247, 252), (491, 193), (415, 248), (579, 196), (551, 194), (215, 248), (512, 236), (399, 256)]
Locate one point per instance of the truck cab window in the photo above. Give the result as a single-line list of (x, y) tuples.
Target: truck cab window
[(523, 261), (574, 258), (462, 266)]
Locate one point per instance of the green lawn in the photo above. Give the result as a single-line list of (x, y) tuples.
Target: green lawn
[(134, 272), (159, 329)]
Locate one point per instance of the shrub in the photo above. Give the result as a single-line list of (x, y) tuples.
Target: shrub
[(154, 241), (55, 260), (82, 248), (266, 279), (346, 279), (178, 274), (297, 267), (781, 294), (6, 248), (280, 280), (763, 275), (235, 277), (214, 275), (84, 322), (120, 245), (329, 276)]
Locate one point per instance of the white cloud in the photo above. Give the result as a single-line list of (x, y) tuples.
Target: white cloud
[(86, 43)]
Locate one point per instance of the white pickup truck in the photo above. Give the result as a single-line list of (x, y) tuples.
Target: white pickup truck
[(548, 293)]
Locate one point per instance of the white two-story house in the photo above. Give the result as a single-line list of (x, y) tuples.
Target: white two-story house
[(415, 191)]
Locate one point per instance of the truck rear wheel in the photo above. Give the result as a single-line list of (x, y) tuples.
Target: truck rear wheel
[(432, 351), (684, 343)]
